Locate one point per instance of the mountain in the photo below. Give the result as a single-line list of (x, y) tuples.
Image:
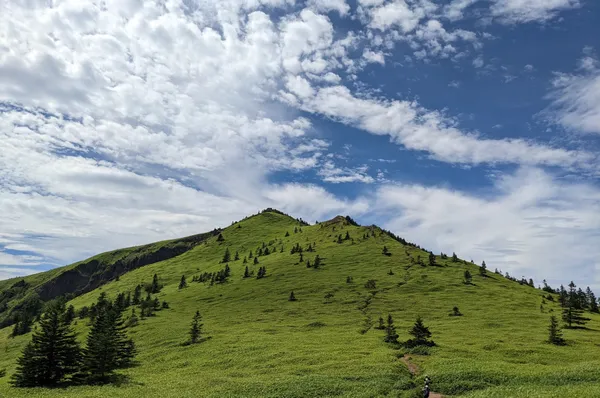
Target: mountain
[(326, 343)]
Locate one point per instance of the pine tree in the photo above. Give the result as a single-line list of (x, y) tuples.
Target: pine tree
[(381, 325), (347, 237), (250, 254), (292, 297), (155, 287), (255, 260), (246, 272), (454, 257), (69, 315), (385, 250), (226, 256), (196, 328), (339, 239), (137, 294), (349, 279), (53, 353), (301, 258), (237, 256), (432, 260), (483, 269), (308, 265), (468, 277), (455, 312), (390, 331), (245, 261), (287, 234), (182, 282), (573, 316), (554, 332), (420, 334), (592, 302), (317, 262), (220, 238)]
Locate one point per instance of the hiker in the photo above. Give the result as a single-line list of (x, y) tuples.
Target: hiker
[(426, 391)]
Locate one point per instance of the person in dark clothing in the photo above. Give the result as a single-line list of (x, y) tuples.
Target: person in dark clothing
[(426, 391)]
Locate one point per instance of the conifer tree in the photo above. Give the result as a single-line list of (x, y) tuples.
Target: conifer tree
[(347, 237), (246, 273), (196, 328), (155, 287), (301, 258), (226, 256), (381, 325), (455, 311), (292, 297), (339, 239), (220, 238), (420, 333), (573, 316), (554, 332), (317, 262), (454, 257), (390, 331), (245, 261), (349, 279), (255, 260), (250, 254), (69, 315), (182, 282), (287, 234), (468, 277), (432, 260), (385, 250), (237, 256), (483, 269), (591, 299), (137, 295), (53, 353), (308, 265)]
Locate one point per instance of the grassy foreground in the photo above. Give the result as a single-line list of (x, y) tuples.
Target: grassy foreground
[(325, 344)]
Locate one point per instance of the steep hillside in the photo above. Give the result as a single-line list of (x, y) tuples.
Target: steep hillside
[(326, 343)]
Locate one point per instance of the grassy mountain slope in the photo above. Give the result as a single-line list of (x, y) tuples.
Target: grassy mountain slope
[(325, 344), (84, 276)]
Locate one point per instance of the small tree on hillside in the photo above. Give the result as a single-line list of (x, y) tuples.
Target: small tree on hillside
[(155, 286), (292, 297), (483, 269), (454, 257), (420, 333), (246, 272), (349, 279), (220, 238), (255, 260), (317, 262), (432, 260), (196, 328), (385, 251), (572, 316), (347, 237), (237, 256), (455, 312), (381, 325), (468, 277), (226, 256), (137, 295), (390, 331), (554, 332), (182, 282)]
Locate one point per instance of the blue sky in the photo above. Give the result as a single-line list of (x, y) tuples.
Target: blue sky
[(462, 125)]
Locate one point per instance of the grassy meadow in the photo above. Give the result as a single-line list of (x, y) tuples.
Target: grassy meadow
[(325, 344)]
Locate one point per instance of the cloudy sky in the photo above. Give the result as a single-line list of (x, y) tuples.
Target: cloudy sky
[(462, 125)]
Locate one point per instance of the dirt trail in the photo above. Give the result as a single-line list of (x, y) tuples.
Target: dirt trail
[(414, 370)]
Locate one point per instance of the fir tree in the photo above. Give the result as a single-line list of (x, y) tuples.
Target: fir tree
[(69, 315), (385, 250), (155, 287), (220, 238), (454, 257), (349, 279), (468, 277), (317, 262), (255, 260), (237, 256), (287, 234), (53, 353), (554, 332), (250, 254), (246, 273), (308, 265), (420, 333), (591, 299), (381, 325), (226, 256), (137, 294), (182, 282), (292, 297), (573, 316), (483, 269), (390, 331), (165, 305), (196, 328), (245, 261), (432, 260), (339, 239), (347, 237), (301, 258)]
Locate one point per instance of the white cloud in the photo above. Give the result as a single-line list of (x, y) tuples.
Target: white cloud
[(455, 10), (454, 84), (333, 174), (576, 98), (521, 11), (374, 57), (533, 225), (419, 129), (330, 5), (478, 62), (397, 13)]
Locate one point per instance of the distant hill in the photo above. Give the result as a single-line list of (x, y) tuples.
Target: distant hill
[(327, 342)]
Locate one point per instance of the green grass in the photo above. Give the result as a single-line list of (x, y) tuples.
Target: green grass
[(263, 345)]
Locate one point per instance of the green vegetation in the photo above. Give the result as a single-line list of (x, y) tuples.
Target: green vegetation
[(263, 345)]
